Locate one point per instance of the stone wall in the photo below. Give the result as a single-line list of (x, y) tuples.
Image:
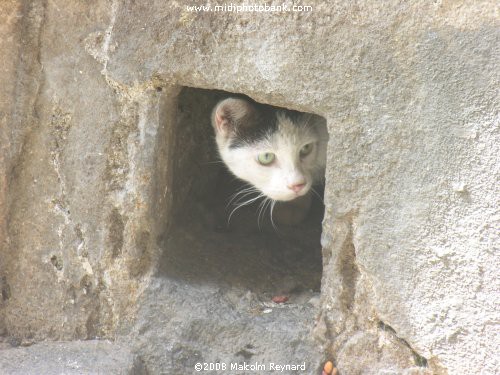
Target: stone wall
[(88, 140)]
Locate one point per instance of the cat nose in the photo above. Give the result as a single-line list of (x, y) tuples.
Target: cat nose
[(296, 187)]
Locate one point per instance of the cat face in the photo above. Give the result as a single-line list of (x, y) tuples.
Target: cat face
[(280, 152)]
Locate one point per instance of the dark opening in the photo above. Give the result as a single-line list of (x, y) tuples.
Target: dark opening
[(247, 251), (225, 293)]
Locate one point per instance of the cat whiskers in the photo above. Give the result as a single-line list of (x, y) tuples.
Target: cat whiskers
[(317, 194), (263, 206), (245, 203), (271, 215), (245, 191), (213, 162), (262, 209)]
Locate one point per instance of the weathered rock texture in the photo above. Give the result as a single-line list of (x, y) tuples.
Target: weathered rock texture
[(96, 168), (72, 358)]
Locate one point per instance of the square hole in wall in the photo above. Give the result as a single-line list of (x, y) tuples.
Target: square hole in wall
[(211, 298), (214, 237)]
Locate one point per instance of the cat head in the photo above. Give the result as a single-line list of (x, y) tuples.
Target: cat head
[(280, 152)]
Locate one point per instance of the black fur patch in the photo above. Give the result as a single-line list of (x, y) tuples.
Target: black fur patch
[(255, 128), (259, 125)]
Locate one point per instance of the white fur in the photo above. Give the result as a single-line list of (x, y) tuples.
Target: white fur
[(289, 168)]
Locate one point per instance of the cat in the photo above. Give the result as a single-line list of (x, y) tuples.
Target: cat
[(281, 153)]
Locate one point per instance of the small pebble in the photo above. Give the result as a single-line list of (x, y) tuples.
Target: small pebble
[(280, 299), (328, 368)]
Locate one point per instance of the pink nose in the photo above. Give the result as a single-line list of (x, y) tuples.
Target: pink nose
[(296, 187)]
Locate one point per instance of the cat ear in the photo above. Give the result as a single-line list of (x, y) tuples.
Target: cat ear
[(229, 114)]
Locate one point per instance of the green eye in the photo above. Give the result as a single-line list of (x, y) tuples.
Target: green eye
[(306, 150), (266, 158)]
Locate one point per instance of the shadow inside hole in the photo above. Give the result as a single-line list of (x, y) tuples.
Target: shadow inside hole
[(201, 247)]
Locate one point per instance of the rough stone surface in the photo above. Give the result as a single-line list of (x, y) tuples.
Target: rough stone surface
[(212, 291), (102, 168), (77, 357), (10, 17)]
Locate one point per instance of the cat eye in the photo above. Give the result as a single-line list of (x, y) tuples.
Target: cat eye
[(306, 150), (266, 158)]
